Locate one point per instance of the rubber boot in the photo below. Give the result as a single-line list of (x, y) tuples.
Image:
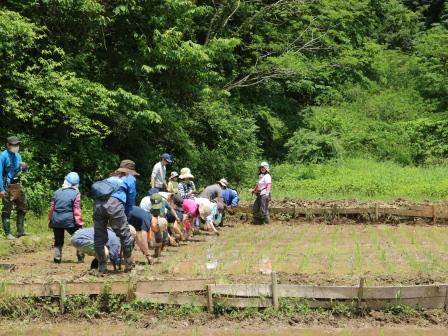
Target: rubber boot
[(7, 228), (100, 255), (127, 256), (267, 219), (57, 255), (21, 224), (80, 255)]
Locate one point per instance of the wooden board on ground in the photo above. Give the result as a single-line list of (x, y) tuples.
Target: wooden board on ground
[(176, 299), (168, 286)]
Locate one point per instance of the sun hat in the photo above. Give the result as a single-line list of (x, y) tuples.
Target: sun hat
[(129, 165), (167, 157), (185, 173), (223, 182), (145, 203), (13, 140), (265, 165), (204, 207), (72, 178), (173, 175), (156, 201), (163, 223)]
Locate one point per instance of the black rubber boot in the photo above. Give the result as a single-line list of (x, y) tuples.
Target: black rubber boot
[(21, 224), (127, 256), (80, 256), (7, 228), (102, 259)]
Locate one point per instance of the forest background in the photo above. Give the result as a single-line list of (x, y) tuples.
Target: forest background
[(346, 98)]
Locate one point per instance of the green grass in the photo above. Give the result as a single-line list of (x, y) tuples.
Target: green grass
[(360, 179)]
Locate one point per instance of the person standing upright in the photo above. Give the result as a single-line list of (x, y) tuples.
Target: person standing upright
[(158, 176), (263, 192), (11, 167)]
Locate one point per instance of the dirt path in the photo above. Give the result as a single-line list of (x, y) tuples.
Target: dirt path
[(110, 328)]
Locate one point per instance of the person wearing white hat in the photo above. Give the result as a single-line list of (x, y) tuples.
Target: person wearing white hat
[(186, 186), (173, 184), (263, 192)]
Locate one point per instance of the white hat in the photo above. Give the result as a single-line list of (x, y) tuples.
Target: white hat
[(265, 165), (165, 195), (223, 182), (185, 173), (204, 207), (145, 203)]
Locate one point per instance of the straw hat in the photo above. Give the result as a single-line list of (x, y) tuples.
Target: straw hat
[(265, 165), (204, 207), (185, 173), (128, 167), (223, 182)]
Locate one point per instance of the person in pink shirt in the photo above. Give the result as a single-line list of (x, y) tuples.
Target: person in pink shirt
[(191, 213), (262, 190)]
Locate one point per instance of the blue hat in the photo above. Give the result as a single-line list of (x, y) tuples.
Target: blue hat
[(152, 191), (167, 157), (72, 178)]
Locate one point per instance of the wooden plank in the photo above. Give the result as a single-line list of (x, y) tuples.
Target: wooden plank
[(244, 302), (37, 289), (426, 303), (405, 292), (274, 290), (167, 286), (318, 292), (92, 288), (175, 299), (210, 299), (243, 290)]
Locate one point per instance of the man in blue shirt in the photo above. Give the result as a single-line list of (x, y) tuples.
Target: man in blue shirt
[(11, 167), (111, 212)]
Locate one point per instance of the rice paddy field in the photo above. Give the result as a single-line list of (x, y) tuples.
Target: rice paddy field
[(301, 252)]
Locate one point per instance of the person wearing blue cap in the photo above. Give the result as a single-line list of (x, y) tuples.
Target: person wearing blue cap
[(65, 214), (158, 176)]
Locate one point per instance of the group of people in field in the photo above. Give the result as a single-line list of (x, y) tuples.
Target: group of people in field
[(172, 209)]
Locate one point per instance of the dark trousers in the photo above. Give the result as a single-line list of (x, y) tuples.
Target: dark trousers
[(261, 209), (59, 235), (110, 213)]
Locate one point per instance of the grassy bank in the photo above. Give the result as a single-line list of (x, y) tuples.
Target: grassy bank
[(360, 179)]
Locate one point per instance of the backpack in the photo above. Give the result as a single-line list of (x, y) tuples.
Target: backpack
[(102, 190)]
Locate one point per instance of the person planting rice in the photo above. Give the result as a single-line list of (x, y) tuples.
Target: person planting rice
[(83, 241), (214, 192), (231, 200), (65, 214), (109, 210), (262, 190), (140, 219), (186, 186), (190, 209), (209, 214)]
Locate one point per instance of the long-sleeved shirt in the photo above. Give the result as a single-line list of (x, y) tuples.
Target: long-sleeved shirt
[(230, 197), (173, 187), (131, 192), (65, 209), (9, 168), (121, 188), (84, 238), (185, 187), (159, 175)]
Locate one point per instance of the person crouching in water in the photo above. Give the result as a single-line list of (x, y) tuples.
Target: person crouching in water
[(263, 192), (83, 241), (65, 214)]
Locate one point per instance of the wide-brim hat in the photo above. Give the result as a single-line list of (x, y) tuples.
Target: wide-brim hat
[(130, 165), (223, 182), (185, 173), (204, 209), (163, 223), (265, 165)]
